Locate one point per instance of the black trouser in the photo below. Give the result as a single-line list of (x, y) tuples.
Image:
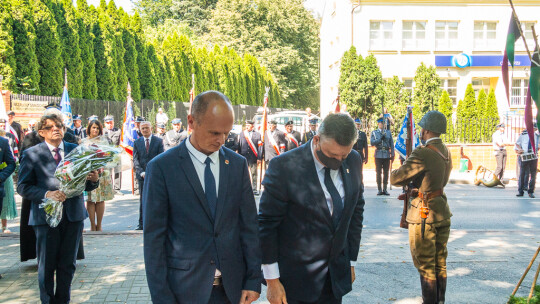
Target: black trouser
[(253, 173), (141, 183), (500, 156), (326, 297), (527, 176), (218, 296), (57, 252), (382, 165)]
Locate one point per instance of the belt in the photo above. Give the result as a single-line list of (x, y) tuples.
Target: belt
[(218, 281), (430, 195)]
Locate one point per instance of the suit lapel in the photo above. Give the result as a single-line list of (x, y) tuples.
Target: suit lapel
[(318, 195), (47, 158), (346, 177), (223, 185), (187, 165)]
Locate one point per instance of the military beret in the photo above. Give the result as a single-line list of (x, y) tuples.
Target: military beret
[(290, 122), (251, 122), (108, 118), (313, 121), (139, 119), (176, 121), (357, 120), (380, 120), (161, 125), (11, 113), (77, 117)]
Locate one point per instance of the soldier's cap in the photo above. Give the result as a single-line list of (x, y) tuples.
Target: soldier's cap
[(290, 122), (161, 125), (2, 120), (273, 122), (108, 118), (139, 119), (380, 120), (176, 121), (313, 121), (501, 125), (434, 121), (251, 122), (77, 117), (53, 104), (357, 120), (93, 117), (11, 113)]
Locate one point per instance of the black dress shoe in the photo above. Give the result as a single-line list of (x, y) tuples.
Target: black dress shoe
[(519, 194), (385, 192), (139, 227), (531, 195), (380, 193)]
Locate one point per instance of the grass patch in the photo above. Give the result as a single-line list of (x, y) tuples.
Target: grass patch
[(523, 300)]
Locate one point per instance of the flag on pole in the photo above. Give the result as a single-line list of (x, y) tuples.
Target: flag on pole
[(264, 123), (534, 82), (338, 107), (191, 97), (514, 34), (66, 105), (401, 141), (129, 134), (529, 119)]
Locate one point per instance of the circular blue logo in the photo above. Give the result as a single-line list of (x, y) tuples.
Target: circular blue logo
[(461, 61)]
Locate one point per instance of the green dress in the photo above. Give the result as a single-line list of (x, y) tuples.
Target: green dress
[(9, 208), (104, 192)]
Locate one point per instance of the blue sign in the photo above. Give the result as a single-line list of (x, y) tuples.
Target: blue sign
[(464, 60)]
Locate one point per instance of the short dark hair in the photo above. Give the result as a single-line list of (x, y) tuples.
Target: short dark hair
[(201, 102), (339, 127), (43, 120), (94, 122)]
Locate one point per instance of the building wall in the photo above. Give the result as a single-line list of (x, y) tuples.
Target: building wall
[(396, 60)]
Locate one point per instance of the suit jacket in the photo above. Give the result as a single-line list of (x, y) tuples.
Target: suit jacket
[(296, 227), (269, 150), (36, 177), (6, 156), (183, 245), (245, 150), (141, 158)]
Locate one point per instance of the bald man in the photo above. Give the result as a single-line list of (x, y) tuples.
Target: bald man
[(200, 221)]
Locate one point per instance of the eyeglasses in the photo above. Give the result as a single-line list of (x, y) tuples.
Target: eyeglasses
[(48, 128)]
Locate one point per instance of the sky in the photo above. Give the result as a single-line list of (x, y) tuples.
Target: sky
[(314, 5)]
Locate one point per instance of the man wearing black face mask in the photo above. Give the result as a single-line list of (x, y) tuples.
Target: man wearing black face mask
[(310, 228)]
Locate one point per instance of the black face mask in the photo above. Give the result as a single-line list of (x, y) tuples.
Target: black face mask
[(329, 162)]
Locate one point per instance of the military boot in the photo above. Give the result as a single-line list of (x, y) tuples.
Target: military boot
[(380, 191), (429, 290), (441, 289)]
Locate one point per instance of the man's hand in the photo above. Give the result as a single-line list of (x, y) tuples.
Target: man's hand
[(248, 296), (93, 176), (143, 174), (353, 275), (365, 161), (57, 195), (275, 293)]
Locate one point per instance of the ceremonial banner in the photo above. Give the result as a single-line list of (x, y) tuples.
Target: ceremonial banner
[(513, 35), (401, 146), (534, 81), (66, 109), (129, 135)]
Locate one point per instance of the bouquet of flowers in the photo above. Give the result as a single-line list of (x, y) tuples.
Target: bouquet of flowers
[(72, 171)]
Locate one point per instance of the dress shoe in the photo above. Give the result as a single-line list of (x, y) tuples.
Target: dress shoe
[(380, 193), (385, 192), (531, 195), (139, 227), (519, 194), (118, 192)]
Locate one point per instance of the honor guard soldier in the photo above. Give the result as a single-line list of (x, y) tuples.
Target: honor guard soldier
[(382, 140), (137, 124), (361, 145), (428, 215), (114, 134), (274, 142), (161, 131), (528, 163), (294, 139), (175, 136), (248, 147), (312, 130), (78, 129)]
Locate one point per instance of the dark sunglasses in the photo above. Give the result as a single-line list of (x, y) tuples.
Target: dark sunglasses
[(59, 126)]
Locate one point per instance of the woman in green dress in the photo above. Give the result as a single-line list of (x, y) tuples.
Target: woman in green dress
[(9, 209), (96, 198)]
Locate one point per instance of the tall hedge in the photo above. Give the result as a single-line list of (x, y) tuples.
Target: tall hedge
[(8, 65)]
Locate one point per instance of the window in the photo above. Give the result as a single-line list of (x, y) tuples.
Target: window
[(407, 87), (381, 35), (518, 92), (480, 83), (446, 35), (414, 35), (450, 86), (485, 35), (527, 32)]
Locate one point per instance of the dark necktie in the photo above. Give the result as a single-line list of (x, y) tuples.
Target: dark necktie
[(210, 187), (147, 145), (57, 156), (337, 203)]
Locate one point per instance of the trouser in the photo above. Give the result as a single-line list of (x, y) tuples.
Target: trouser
[(527, 176), (500, 157), (429, 254), (57, 251), (117, 179), (218, 296), (141, 183), (326, 297), (382, 165), (253, 175)]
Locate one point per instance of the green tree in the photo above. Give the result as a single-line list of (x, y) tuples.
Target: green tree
[(130, 59), (349, 81), (371, 88), (86, 38), (426, 90), (446, 107), (104, 76), (491, 114), (395, 99), (7, 54), (466, 113)]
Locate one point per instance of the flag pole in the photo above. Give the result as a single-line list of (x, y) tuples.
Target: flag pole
[(534, 35), (65, 78), (261, 167), (520, 30)]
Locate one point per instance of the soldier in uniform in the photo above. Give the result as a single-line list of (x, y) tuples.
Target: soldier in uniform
[(248, 147), (137, 124), (529, 165), (231, 141), (175, 136), (113, 134), (294, 139), (78, 129), (361, 145), (161, 131), (312, 130), (274, 143), (382, 140), (428, 168)]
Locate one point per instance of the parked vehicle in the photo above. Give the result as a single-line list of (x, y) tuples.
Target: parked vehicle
[(299, 118)]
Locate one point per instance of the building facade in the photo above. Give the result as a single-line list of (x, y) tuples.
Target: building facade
[(464, 40)]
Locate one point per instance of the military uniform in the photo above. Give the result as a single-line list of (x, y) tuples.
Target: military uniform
[(308, 136), (384, 144), (230, 142), (248, 147), (173, 138), (428, 168), (274, 144), (294, 140)]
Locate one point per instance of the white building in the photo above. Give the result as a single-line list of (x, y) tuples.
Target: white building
[(464, 39)]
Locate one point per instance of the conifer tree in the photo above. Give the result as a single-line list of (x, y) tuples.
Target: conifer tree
[(89, 88), (8, 64), (103, 73), (130, 59), (446, 107)]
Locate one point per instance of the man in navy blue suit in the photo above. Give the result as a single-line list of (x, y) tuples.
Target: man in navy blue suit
[(145, 148), (56, 247), (201, 241), (311, 227), (248, 147)]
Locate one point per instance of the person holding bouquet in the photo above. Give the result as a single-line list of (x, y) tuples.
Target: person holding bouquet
[(95, 205), (56, 247)]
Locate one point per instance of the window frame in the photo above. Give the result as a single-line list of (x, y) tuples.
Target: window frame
[(381, 43), (415, 43)]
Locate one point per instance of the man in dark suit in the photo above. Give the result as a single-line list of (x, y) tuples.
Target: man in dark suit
[(311, 227), (201, 242), (248, 147), (56, 247), (145, 148), (275, 142)]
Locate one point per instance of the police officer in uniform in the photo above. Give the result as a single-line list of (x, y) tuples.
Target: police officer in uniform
[(384, 144), (312, 130), (113, 134), (78, 129), (293, 137), (361, 145), (175, 136), (274, 142), (161, 131), (248, 147), (428, 215)]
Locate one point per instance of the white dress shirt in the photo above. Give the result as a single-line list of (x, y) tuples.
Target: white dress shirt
[(523, 143), (271, 271), (162, 118), (198, 158), (498, 139)]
